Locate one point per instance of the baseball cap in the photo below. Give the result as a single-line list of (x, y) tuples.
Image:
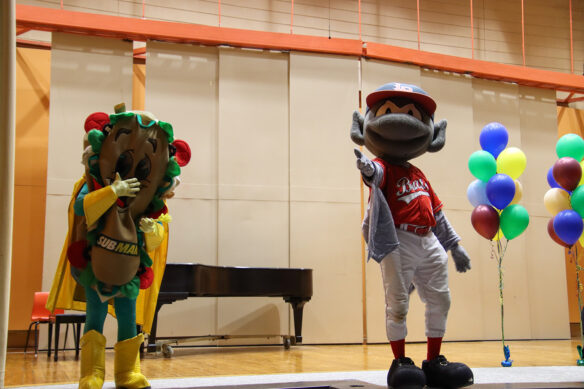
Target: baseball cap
[(412, 92)]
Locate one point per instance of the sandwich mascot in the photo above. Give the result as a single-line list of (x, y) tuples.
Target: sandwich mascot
[(114, 254), (405, 229)]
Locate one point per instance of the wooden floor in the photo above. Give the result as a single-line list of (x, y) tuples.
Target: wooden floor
[(24, 369)]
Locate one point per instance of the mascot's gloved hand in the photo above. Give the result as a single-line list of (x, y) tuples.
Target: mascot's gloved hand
[(461, 258), (364, 164), (147, 225), (128, 187)]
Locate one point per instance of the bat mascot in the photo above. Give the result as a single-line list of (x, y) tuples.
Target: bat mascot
[(114, 255), (405, 228)]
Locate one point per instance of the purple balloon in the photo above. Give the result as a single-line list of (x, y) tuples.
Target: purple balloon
[(494, 138), (551, 180), (477, 193), (568, 226), (500, 190)]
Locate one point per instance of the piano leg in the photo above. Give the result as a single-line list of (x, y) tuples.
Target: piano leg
[(297, 309)]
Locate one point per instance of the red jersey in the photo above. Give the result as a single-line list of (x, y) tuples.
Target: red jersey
[(409, 195)]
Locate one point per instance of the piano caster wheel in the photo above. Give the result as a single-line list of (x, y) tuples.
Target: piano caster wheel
[(167, 351), (287, 343)]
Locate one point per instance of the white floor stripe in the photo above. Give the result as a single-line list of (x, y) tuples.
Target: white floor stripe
[(482, 376)]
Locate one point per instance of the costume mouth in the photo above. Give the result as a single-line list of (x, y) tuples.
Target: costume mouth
[(123, 202)]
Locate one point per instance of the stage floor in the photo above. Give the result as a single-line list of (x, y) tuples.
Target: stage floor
[(560, 377), (541, 362)]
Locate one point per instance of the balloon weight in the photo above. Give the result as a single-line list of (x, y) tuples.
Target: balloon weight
[(494, 138), (485, 220)]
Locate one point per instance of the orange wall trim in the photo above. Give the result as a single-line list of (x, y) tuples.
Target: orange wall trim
[(48, 19)]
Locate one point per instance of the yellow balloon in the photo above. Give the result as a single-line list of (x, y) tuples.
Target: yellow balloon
[(581, 179), (518, 193), (498, 236), (511, 162), (581, 239), (556, 200)]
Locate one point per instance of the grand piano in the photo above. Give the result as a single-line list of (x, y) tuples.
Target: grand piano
[(184, 280)]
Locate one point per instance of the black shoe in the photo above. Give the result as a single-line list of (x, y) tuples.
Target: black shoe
[(443, 374), (404, 374)]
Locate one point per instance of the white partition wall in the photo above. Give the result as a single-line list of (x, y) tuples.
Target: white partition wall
[(88, 74), (544, 269), (253, 166), (324, 194), (272, 182), (181, 88)]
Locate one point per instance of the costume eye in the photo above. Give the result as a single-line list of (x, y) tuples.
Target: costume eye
[(124, 163), (142, 169), (384, 109), (412, 110)]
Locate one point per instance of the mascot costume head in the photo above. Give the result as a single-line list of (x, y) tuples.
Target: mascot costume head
[(117, 240), (405, 228)]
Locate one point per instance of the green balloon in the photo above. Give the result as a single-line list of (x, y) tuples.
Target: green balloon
[(482, 165), (577, 200), (570, 145), (514, 220)]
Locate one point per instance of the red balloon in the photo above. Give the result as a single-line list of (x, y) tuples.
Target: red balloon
[(567, 172), (553, 235), (485, 220)]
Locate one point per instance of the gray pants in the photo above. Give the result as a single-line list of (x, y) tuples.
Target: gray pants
[(420, 260)]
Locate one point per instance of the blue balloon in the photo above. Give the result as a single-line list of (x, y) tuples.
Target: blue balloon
[(494, 138), (568, 226), (477, 193), (500, 190), (551, 180)]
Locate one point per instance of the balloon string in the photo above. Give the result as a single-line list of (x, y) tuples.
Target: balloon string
[(501, 253), (579, 285)]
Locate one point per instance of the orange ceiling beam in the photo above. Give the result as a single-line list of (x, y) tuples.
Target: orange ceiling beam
[(49, 19), (481, 69)]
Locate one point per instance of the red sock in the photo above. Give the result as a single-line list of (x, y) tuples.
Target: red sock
[(434, 347), (398, 347)]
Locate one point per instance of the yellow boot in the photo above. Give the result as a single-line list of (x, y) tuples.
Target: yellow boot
[(127, 364), (92, 360)]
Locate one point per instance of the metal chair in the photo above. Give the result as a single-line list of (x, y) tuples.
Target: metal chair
[(40, 314)]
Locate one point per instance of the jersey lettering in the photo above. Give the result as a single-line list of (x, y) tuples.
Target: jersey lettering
[(408, 190)]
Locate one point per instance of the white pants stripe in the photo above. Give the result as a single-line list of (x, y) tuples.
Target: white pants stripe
[(420, 260)]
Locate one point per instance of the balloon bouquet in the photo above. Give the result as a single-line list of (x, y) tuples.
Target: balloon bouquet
[(565, 202), (495, 195)]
